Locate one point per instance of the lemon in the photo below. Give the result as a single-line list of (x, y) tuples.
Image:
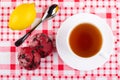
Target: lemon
[(22, 16)]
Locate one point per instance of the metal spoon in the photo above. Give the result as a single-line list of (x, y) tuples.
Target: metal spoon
[(50, 12)]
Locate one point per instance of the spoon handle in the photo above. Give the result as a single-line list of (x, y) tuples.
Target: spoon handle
[(22, 39)]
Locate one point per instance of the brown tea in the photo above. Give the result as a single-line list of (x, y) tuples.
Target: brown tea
[(85, 40)]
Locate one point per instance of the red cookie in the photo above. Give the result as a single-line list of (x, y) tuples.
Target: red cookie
[(29, 58), (42, 43)]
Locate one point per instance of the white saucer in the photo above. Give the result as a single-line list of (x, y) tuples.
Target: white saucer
[(75, 61)]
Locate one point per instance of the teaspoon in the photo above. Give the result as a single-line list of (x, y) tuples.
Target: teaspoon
[(50, 12)]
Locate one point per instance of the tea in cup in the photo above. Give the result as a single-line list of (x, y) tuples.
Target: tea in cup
[(85, 40)]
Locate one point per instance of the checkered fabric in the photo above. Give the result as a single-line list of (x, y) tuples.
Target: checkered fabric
[(52, 67)]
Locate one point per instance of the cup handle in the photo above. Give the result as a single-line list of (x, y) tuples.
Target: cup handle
[(104, 56)]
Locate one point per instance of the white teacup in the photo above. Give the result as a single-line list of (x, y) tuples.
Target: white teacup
[(68, 55)]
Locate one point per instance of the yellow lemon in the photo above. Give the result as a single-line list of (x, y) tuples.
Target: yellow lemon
[(22, 17)]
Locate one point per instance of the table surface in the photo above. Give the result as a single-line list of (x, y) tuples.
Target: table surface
[(52, 67)]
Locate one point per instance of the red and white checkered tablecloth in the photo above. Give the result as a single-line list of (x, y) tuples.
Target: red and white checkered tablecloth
[(52, 67)]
